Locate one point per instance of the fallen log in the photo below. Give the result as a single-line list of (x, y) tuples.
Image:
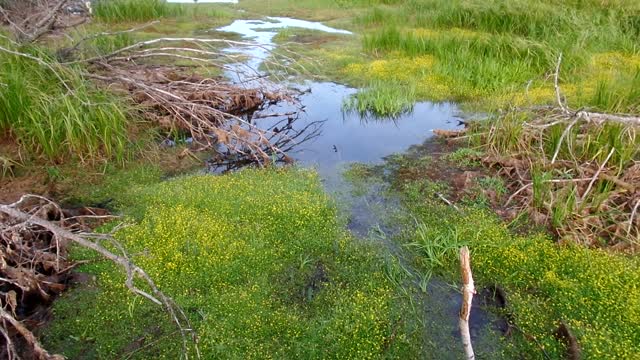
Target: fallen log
[(448, 134)]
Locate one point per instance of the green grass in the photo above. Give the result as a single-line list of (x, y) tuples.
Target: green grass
[(464, 157), (487, 54), (381, 100), (260, 263), (56, 114), (135, 10), (593, 291), (123, 11)]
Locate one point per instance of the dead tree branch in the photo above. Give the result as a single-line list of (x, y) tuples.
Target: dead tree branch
[(38, 352), (468, 290), (588, 116), (31, 20), (16, 218)]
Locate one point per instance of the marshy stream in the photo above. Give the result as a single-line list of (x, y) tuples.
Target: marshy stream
[(345, 138)]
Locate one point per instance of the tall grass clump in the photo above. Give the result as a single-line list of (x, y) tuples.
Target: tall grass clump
[(55, 113), (381, 99), (135, 10)]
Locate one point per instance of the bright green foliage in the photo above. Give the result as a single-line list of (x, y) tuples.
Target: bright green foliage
[(259, 262), (135, 10), (120, 11), (54, 112), (499, 52), (464, 157), (381, 100), (594, 292)]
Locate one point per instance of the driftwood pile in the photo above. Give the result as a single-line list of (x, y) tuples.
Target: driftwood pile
[(34, 236), (34, 270), (211, 111), (585, 188), (30, 20)]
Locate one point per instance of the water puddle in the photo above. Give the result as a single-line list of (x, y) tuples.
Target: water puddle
[(263, 32), (345, 138)]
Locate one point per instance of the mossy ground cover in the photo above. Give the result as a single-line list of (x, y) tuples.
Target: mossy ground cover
[(593, 291), (259, 261)]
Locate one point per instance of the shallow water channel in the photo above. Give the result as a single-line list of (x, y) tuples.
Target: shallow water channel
[(345, 138)]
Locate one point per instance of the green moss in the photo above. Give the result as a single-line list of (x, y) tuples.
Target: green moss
[(593, 291), (464, 157), (260, 263)]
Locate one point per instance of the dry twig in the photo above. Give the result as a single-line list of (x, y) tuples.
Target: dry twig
[(468, 290), (16, 221)]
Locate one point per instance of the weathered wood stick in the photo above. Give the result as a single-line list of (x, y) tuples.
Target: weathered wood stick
[(468, 289)]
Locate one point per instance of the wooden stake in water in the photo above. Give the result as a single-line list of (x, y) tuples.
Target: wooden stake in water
[(468, 289)]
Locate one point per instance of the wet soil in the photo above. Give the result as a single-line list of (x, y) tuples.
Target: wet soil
[(350, 138)]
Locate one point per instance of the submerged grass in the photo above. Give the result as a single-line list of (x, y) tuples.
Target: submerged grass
[(381, 100), (260, 263)]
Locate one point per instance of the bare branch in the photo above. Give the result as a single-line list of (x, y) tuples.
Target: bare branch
[(468, 290), (595, 176), (132, 270), (38, 351)]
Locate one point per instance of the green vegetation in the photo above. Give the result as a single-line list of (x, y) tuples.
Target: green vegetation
[(135, 10), (464, 157), (593, 291), (381, 99), (55, 113), (491, 54), (260, 263), (123, 11), (545, 282)]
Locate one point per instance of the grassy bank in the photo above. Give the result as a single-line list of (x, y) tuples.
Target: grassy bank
[(490, 54), (259, 261), (592, 291), (56, 114), (131, 11), (54, 117)]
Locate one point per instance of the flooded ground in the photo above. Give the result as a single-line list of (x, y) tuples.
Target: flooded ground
[(343, 137), (346, 138)]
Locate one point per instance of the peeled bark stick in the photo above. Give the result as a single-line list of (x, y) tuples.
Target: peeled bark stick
[(468, 289)]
